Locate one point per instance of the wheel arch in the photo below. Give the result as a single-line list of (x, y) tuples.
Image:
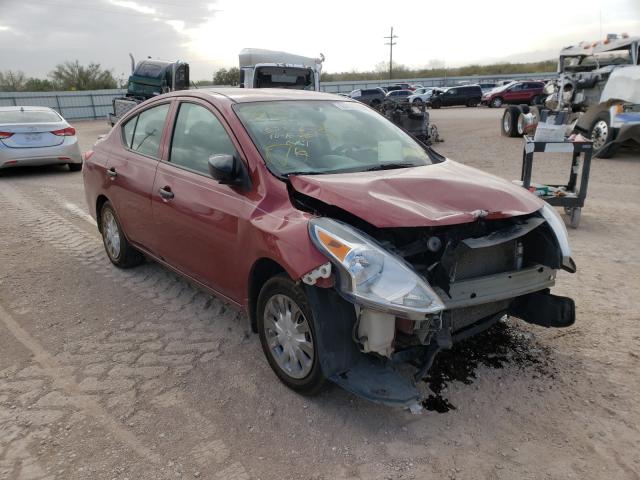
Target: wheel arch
[(261, 271), (100, 201)]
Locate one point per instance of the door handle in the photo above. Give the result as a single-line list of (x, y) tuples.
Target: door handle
[(166, 193), (112, 172)]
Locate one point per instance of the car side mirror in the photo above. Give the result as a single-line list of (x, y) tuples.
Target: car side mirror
[(228, 170)]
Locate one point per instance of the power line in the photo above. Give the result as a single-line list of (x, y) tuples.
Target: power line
[(391, 43)]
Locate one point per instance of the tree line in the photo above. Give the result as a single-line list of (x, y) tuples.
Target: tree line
[(437, 69), (65, 76)]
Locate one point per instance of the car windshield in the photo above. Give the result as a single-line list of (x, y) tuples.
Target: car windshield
[(316, 137), (28, 116)]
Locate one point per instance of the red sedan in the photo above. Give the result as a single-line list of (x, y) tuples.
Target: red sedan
[(351, 246)]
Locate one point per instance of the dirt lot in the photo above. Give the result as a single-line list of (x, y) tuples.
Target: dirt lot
[(108, 374)]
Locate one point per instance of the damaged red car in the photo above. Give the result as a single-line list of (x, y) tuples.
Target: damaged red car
[(353, 248)]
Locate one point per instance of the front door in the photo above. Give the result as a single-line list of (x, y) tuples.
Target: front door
[(196, 218)]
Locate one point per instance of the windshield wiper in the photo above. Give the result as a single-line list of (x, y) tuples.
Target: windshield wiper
[(389, 166), (301, 172)]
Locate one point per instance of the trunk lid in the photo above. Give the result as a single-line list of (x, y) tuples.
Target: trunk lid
[(33, 135), (446, 193)]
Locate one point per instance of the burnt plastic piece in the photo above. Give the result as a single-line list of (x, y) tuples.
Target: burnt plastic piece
[(377, 381), (544, 309)]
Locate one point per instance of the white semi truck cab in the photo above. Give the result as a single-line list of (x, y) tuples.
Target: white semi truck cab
[(272, 69)]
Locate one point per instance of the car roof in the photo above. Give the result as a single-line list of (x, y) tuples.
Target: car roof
[(244, 95)]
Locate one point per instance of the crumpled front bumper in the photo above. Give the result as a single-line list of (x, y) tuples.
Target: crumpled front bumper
[(627, 127), (381, 380)]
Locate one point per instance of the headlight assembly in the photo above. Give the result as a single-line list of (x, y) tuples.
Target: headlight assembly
[(372, 276)]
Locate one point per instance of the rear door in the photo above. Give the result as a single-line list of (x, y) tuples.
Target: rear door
[(196, 218), (532, 90), (131, 169), (514, 94), (450, 97)]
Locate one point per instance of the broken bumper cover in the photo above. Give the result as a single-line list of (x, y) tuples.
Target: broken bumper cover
[(379, 379)]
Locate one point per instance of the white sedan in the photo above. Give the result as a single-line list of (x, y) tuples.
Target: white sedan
[(32, 136)]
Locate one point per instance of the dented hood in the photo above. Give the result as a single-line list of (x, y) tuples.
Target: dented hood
[(446, 193)]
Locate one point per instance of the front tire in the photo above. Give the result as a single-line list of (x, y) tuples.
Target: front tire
[(118, 248), (287, 334), (496, 102)]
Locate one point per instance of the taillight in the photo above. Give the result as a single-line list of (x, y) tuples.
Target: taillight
[(88, 154), (65, 132), (4, 135)]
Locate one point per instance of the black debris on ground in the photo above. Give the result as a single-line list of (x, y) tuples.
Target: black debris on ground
[(501, 345)]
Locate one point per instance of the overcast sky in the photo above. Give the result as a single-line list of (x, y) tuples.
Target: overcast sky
[(37, 34)]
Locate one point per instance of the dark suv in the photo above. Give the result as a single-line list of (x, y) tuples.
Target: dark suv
[(369, 96), (469, 95)]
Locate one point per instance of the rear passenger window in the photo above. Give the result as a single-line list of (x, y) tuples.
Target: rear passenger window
[(148, 130), (197, 135)]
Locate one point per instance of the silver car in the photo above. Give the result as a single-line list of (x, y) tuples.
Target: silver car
[(37, 136)]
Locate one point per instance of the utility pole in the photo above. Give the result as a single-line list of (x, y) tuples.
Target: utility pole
[(391, 43)]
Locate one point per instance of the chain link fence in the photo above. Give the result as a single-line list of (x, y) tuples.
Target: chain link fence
[(81, 105)]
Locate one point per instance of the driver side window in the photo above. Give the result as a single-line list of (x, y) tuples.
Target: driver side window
[(197, 135)]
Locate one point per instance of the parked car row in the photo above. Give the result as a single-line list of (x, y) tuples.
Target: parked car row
[(434, 97), (492, 94)]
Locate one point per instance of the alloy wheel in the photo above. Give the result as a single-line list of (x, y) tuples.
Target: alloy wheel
[(111, 234), (506, 122)]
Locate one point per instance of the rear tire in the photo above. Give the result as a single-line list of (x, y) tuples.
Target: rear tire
[(287, 333), (472, 102), (118, 248), (75, 167), (509, 123)]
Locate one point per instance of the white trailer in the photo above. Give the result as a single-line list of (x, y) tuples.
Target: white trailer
[(261, 68)]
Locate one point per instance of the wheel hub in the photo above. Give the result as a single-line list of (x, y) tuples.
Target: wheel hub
[(111, 234), (599, 134), (288, 336)]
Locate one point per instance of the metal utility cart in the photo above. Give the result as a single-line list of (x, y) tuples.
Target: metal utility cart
[(570, 196)]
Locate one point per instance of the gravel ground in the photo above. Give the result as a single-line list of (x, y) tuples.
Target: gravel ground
[(109, 374)]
